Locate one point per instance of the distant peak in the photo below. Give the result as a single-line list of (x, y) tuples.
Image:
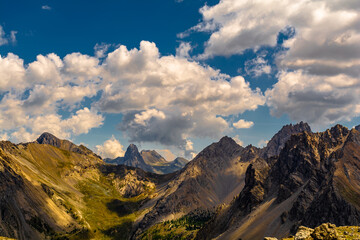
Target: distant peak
[(132, 147), (226, 139), (298, 127), (131, 151), (46, 138), (357, 128)]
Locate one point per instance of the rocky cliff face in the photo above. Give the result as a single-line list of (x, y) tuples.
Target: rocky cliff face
[(278, 141), (314, 179)]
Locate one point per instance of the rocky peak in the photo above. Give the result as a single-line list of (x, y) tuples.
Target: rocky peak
[(335, 136), (133, 158), (278, 141), (132, 153), (152, 157), (225, 147), (48, 138), (357, 128)]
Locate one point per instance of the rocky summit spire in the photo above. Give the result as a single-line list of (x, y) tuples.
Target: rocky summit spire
[(278, 141), (133, 158)]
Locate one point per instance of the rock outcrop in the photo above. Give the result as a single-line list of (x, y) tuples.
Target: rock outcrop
[(278, 141)]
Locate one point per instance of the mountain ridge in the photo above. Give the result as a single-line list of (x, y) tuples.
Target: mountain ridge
[(148, 160)]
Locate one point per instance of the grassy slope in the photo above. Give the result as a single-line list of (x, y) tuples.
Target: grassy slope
[(184, 228), (75, 194)]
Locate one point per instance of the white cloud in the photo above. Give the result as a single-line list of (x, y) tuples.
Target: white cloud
[(238, 141), (31, 127), (262, 143), (257, 67), (316, 99), (243, 124), (163, 102), (4, 137), (184, 50), (13, 36), (143, 117), (82, 66), (320, 68), (12, 73), (163, 99), (101, 50), (5, 39), (239, 25), (111, 148), (45, 7), (34, 94)]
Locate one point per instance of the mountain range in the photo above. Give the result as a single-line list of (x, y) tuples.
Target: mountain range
[(148, 160), (54, 189)]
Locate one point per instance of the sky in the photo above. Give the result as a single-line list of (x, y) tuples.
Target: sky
[(176, 75)]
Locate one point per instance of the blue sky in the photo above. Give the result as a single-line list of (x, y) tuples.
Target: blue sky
[(198, 70)]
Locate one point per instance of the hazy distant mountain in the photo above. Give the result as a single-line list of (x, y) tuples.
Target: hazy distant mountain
[(151, 157), (148, 160)]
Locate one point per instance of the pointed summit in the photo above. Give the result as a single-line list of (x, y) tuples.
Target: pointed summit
[(50, 139), (133, 158), (278, 141)]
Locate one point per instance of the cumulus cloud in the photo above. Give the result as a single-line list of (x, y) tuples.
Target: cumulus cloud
[(315, 99), (239, 25), (12, 73), (243, 124), (163, 99), (319, 68), (33, 95), (111, 148), (168, 99)]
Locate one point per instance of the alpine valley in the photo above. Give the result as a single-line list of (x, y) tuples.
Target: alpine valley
[(54, 189)]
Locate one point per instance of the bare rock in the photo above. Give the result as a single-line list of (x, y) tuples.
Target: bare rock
[(303, 233), (326, 231)]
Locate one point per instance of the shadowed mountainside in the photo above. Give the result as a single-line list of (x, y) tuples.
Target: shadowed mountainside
[(315, 179), (52, 188)]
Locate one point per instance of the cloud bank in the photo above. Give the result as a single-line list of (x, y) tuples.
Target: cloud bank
[(319, 72), (163, 99)]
